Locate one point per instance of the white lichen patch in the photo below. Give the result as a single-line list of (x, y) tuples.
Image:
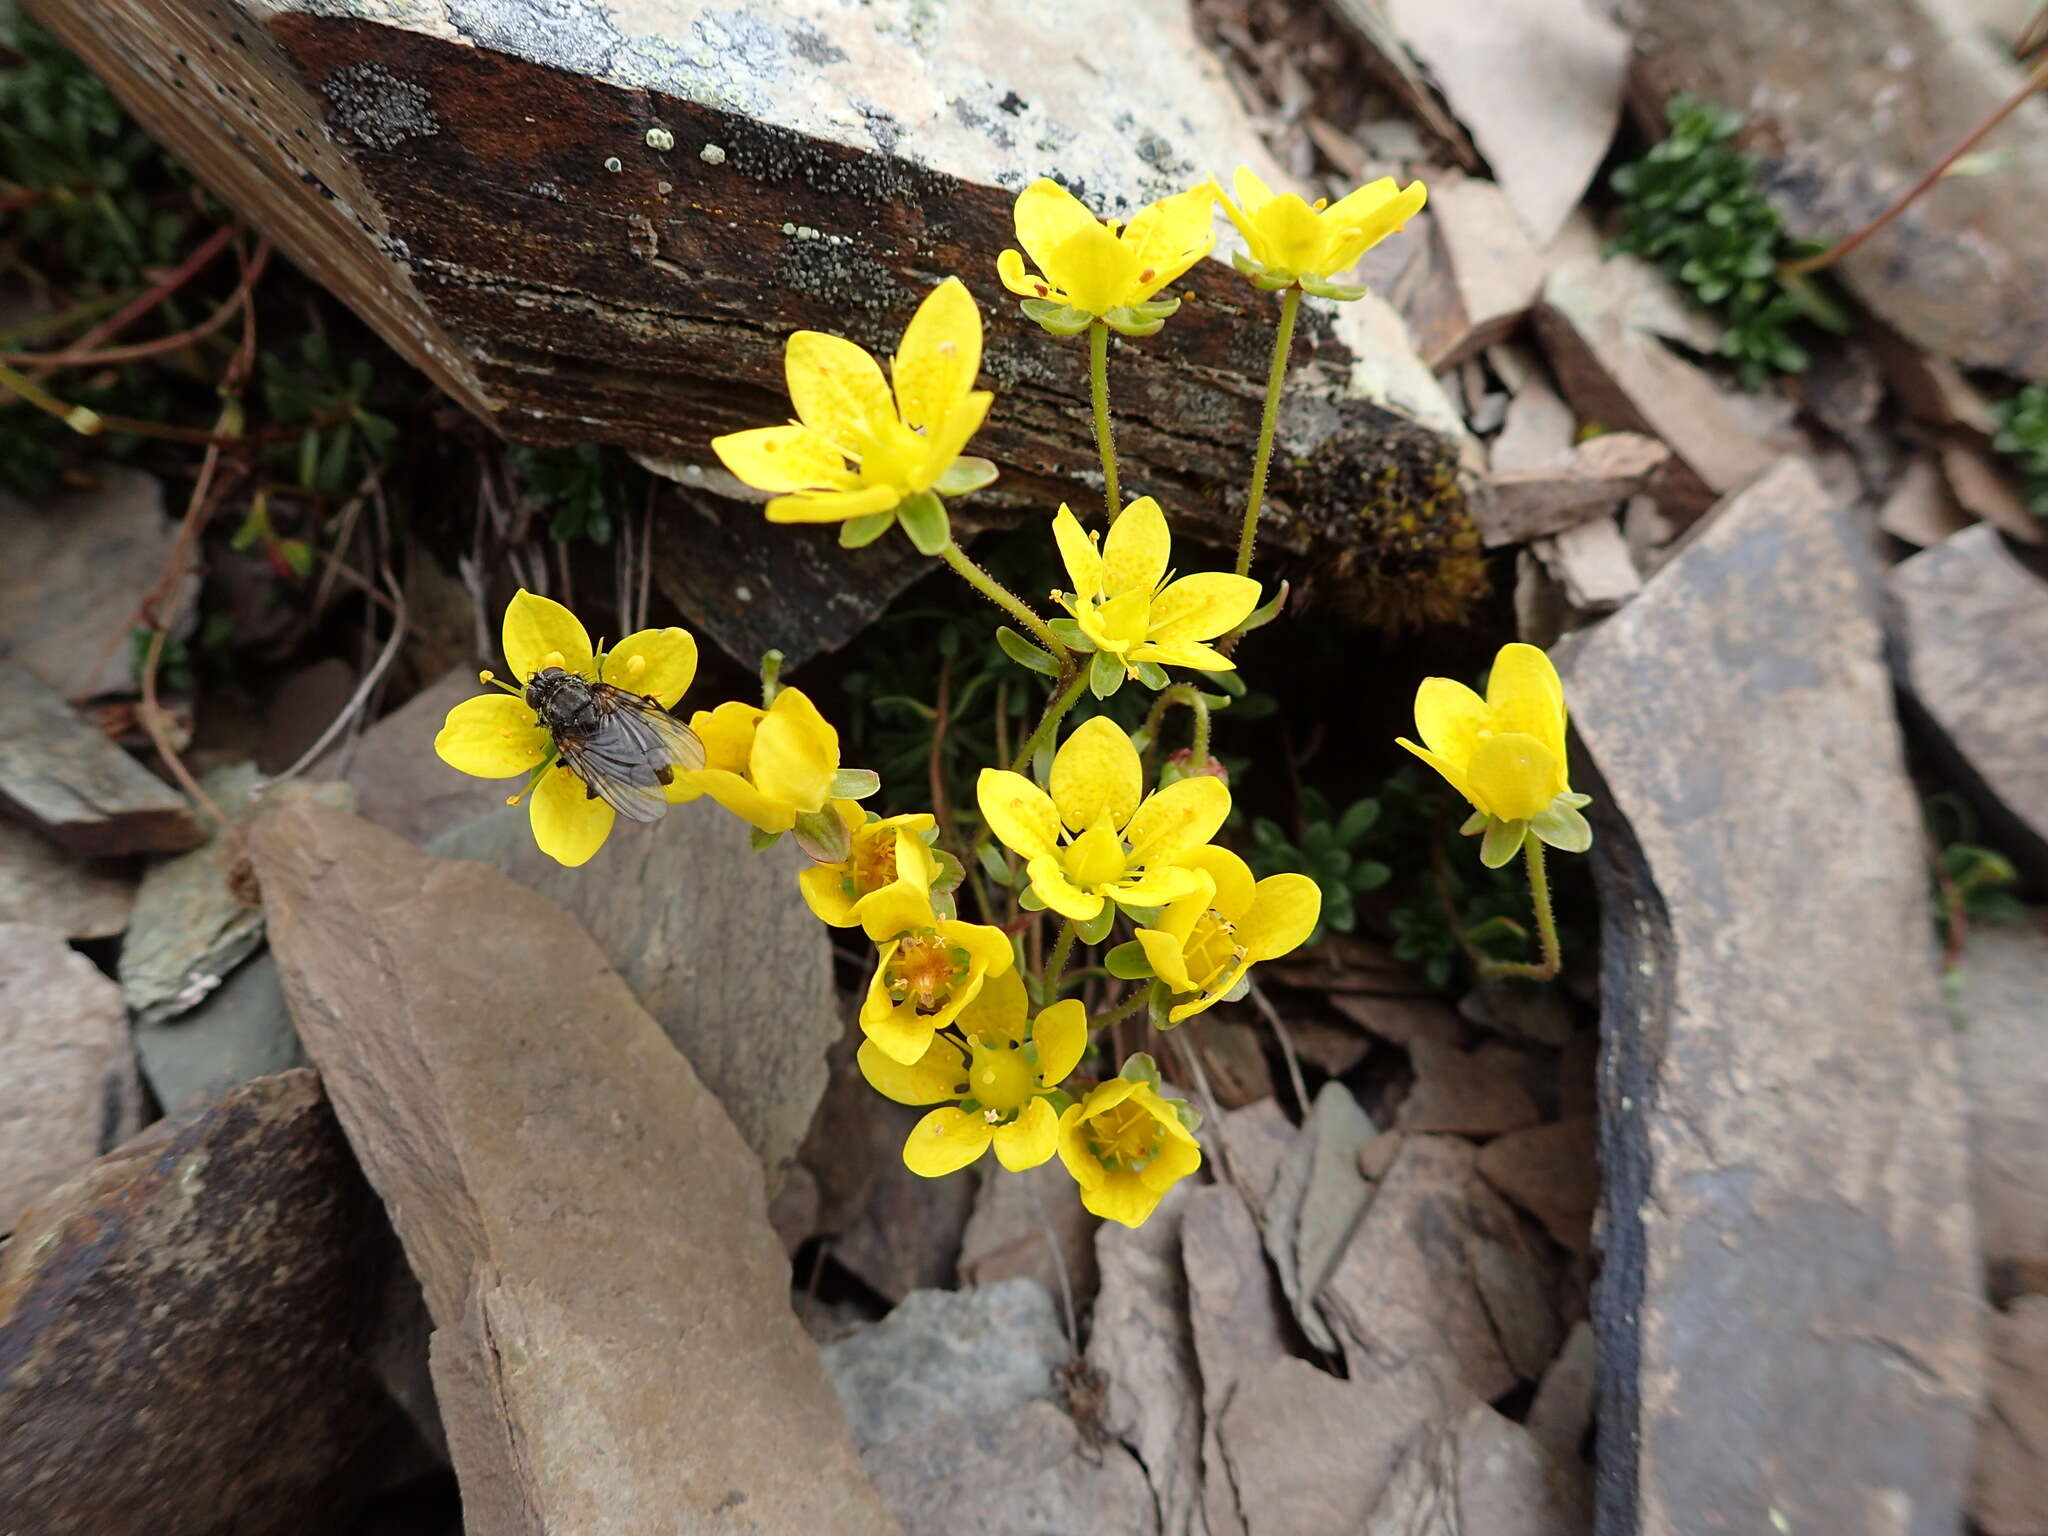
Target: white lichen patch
[(369, 105), (712, 154), (659, 138)]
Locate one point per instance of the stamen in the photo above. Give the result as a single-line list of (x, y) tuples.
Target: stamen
[(635, 665), (554, 659)]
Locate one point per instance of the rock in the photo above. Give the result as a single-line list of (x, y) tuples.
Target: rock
[(399, 782), (1841, 129), (1404, 1021), (1020, 1222), (905, 1232), (79, 788), (1377, 1155), (1027, 1472), (80, 898), (79, 565), (716, 942), (304, 705), (1973, 624), (1473, 1093), (1253, 1143), (1515, 1291), (1920, 508), (611, 1329), (1484, 1476), (1932, 388), (2009, 1487), (1562, 1410), (2003, 982), (1784, 1193), (68, 1090), (1403, 1293), (1234, 1059), (1313, 1203), (241, 1031), (1982, 489), (195, 917), (1648, 533), (1520, 1009), (1481, 276), (1553, 1173), (793, 1213), (1143, 1344), (943, 1356), (185, 1329), (1594, 478), (1615, 371)]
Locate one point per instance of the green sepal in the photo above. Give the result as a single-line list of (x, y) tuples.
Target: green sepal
[(965, 474), (1058, 319), (1158, 1003), (1140, 1068), (1024, 653), (1127, 962), (859, 532), (1575, 800), (1267, 611), (1105, 674), (944, 908), (1323, 288), (993, 864), (762, 839), (1231, 682), (855, 783), (1502, 842), (1562, 827), (1151, 674), (1071, 634), (1128, 320), (1095, 929), (1030, 900), (1144, 917), (1262, 276), (1059, 1099), (970, 1106), (1186, 1113), (1474, 824), (923, 517), (1239, 992), (823, 836), (950, 874)]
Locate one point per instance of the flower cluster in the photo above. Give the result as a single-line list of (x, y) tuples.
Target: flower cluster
[(981, 1017)]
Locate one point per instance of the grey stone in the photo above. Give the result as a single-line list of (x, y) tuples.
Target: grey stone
[(242, 1030), (1562, 1410), (2002, 1003), (1516, 1294), (41, 884), (1784, 1188), (78, 787), (1593, 563), (68, 1089), (1483, 1476), (716, 942), (1592, 479), (1238, 1317), (943, 1356), (2009, 1485), (1973, 626), (398, 780), (1332, 1201), (1552, 1172), (1020, 1222), (1474, 1093), (905, 1232)]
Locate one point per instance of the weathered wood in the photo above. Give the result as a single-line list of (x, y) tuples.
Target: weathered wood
[(600, 223)]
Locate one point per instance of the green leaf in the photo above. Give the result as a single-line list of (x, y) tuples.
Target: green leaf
[(1024, 653), (1261, 616), (1057, 319), (965, 474), (1030, 900), (1360, 819), (859, 532), (1369, 876), (1140, 1068), (923, 517), (823, 836), (762, 839), (950, 874), (1105, 675), (1072, 636), (1151, 674), (855, 783), (296, 554), (993, 864), (1563, 828), (1127, 962), (1502, 842)]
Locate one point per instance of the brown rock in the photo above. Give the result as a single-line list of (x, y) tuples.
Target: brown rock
[(1234, 1058), (2002, 1001), (2009, 1486), (1481, 276), (79, 788), (1314, 1203), (1595, 478), (1333, 1048), (1404, 1021), (68, 1089), (1536, 437), (1920, 508), (1516, 1291), (1593, 564), (1553, 1173), (80, 898), (1472, 1093), (1483, 1476), (1984, 490), (1784, 1191), (1933, 389), (1562, 1410), (1253, 1143), (612, 1334), (1377, 1155), (904, 1232), (1031, 1224), (398, 780), (185, 1331)]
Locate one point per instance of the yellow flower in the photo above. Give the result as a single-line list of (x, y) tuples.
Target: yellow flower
[(858, 453), (1094, 271), (884, 858), (928, 971), (498, 735), (1127, 606), (1126, 1146), (1208, 939), (1120, 848), (1004, 1082), (1505, 753), (1292, 243), (777, 769)]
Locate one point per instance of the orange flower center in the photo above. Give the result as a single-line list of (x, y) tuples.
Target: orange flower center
[(1124, 1136), (874, 861), (1212, 949), (923, 971)]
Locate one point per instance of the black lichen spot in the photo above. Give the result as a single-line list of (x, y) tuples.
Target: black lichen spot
[(813, 46), (1014, 104)]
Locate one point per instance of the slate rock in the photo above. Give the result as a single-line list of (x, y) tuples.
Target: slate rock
[(1972, 626), (1483, 1476), (41, 884), (185, 1329), (1020, 1222), (1785, 1199), (399, 782), (77, 787), (1920, 508), (1252, 1143), (1592, 561), (2002, 1001), (68, 1089), (241, 1031), (943, 1356), (905, 1232), (1552, 1172), (714, 939), (2009, 1486), (1593, 478), (1313, 1201), (1480, 276), (612, 1333), (1562, 1410), (1474, 1093)]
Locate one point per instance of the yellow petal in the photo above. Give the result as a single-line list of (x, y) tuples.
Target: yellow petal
[(795, 755), (1095, 269), (1180, 817), (1061, 894), (1061, 1035), (837, 389), (1023, 282), (1169, 236), (898, 1030), (1096, 776), (1516, 776), (1453, 775), (1047, 216), (1351, 238), (1030, 1139), (895, 910), (939, 355), (1361, 204), (949, 436), (1281, 916), (1020, 814), (998, 1009), (1251, 191), (1184, 653), (660, 663), (939, 1074), (833, 506), (1117, 626), (988, 947), (494, 736), (1167, 957), (1121, 1197), (824, 892), (567, 823), (1247, 226), (727, 733), (1181, 1012), (945, 1141), (1135, 553), (741, 798), (1293, 233), (1083, 560), (1154, 887), (1231, 889), (791, 458), (538, 628), (1524, 694), (1202, 606), (1449, 717)]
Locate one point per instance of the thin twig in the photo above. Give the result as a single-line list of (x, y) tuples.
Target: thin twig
[(78, 356), (1059, 1265), (360, 696), (1286, 1045), (202, 256)]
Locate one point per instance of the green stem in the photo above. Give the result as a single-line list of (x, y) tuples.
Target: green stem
[(1546, 922), (77, 417), (1155, 720), (1062, 952), (1004, 599), (1198, 749), (1105, 439), (1290, 304), (1055, 711), (1122, 1010)]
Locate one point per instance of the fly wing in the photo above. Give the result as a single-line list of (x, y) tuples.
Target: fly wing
[(633, 754)]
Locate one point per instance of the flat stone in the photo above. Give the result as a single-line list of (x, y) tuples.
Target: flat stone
[(1030, 1224), (1481, 273), (1234, 1058), (186, 1330), (943, 1356), (1843, 128), (1473, 1093), (1594, 478), (904, 1232), (1552, 1172), (398, 780), (1404, 1021), (1254, 1143), (1932, 388), (1515, 1290), (68, 1089), (612, 1334), (1313, 1203), (1920, 508), (1562, 1410), (1984, 489), (241, 1031), (2009, 1486), (2002, 1000), (1334, 1048), (42, 884), (79, 564), (1784, 1188), (76, 786), (716, 942), (1483, 1476), (1973, 623)]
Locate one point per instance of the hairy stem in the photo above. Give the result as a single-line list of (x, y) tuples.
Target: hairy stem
[(1055, 711), (1283, 341), (1546, 922), (1062, 952), (1004, 599), (1105, 437)]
